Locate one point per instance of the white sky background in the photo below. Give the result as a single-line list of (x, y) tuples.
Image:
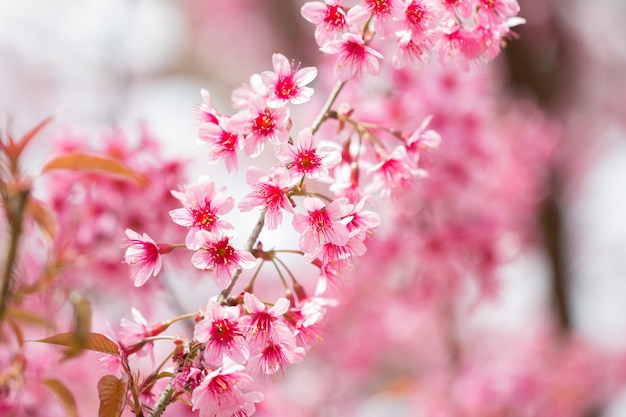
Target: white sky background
[(117, 62)]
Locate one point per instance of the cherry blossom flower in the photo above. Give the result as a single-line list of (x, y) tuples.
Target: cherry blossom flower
[(307, 318), (422, 17), (493, 12), (304, 159), (340, 256), (206, 112), (134, 333), (241, 96), (144, 255), (392, 176), (219, 256), (226, 393), (270, 194), (354, 57), (286, 83), (329, 17), (278, 353), (410, 51), (261, 124), (202, 207), (362, 220), (321, 224), (260, 322), (224, 142), (385, 14), (221, 333)]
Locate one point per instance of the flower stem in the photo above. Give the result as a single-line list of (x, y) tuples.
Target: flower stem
[(323, 114), (254, 236)]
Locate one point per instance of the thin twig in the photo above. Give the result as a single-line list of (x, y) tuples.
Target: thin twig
[(323, 114)]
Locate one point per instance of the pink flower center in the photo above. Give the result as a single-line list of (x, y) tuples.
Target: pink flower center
[(335, 17), (415, 15), (307, 161), (224, 331), (354, 51), (203, 217), (286, 88), (319, 220), (379, 6), (228, 141), (222, 253), (265, 123)]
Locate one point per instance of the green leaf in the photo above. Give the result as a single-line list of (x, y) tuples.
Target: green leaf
[(64, 395), (112, 394), (79, 161), (94, 341)]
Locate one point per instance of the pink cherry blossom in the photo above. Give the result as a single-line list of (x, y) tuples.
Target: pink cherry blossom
[(217, 254), (241, 96), (221, 334), (261, 124), (286, 83), (385, 14), (226, 393), (329, 17), (206, 112), (278, 353), (305, 159), (493, 12), (143, 255), (202, 207), (394, 175), (321, 224), (224, 142), (269, 193), (362, 220), (260, 322), (341, 256), (353, 58)]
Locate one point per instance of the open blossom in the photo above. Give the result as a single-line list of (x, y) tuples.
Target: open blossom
[(269, 193), (278, 353), (217, 254), (385, 14), (286, 83), (261, 124), (260, 323), (341, 256), (393, 176), (144, 255), (206, 112), (226, 393), (353, 58), (224, 142), (329, 17), (221, 334), (362, 220), (322, 224), (202, 207), (304, 159), (493, 12)]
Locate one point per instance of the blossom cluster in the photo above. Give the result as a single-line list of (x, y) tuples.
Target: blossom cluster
[(459, 31), (326, 181), (322, 185)]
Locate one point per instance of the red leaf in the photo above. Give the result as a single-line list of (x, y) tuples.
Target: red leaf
[(94, 341), (112, 394), (79, 161)]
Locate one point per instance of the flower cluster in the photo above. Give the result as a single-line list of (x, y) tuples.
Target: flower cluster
[(457, 31), (321, 185)]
